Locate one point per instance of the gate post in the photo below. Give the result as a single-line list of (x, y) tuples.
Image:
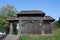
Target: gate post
[(42, 26), (20, 27), (11, 28)]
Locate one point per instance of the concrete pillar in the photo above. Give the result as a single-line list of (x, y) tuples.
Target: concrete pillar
[(11, 28), (20, 27)]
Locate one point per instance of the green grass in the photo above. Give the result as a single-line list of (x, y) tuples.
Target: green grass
[(55, 36)]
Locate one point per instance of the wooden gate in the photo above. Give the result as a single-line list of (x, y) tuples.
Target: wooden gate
[(31, 28)]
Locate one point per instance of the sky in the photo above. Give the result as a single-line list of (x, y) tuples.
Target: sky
[(50, 7)]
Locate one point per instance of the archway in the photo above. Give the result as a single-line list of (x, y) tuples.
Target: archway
[(31, 27)]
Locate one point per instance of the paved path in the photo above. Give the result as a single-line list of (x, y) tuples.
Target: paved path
[(11, 37)]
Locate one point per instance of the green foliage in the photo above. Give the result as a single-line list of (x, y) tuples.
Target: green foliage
[(56, 24), (54, 36), (37, 22), (15, 31), (24, 22), (8, 10), (29, 37)]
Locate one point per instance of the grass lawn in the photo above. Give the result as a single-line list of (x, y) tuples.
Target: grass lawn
[(55, 36)]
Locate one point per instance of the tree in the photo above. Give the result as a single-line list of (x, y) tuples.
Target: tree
[(6, 12), (57, 24)]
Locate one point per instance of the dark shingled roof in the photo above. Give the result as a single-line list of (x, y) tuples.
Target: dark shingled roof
[(48, 18), (31, 12)]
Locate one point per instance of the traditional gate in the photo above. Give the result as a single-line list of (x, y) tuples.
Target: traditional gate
[(44, 25)]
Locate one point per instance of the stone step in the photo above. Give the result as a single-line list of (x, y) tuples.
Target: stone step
[(11, 37)]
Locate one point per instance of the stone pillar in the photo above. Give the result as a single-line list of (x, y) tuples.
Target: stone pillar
[(20, 27), (11, 29)]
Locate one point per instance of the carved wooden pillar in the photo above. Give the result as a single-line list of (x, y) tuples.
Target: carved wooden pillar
[(51, 26), (42, 30), (20, 27), (42, 26), (11, 28)]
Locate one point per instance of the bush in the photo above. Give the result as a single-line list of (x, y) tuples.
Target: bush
[(54, 36)]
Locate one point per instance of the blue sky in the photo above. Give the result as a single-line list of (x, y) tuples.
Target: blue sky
[(50, 7)]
